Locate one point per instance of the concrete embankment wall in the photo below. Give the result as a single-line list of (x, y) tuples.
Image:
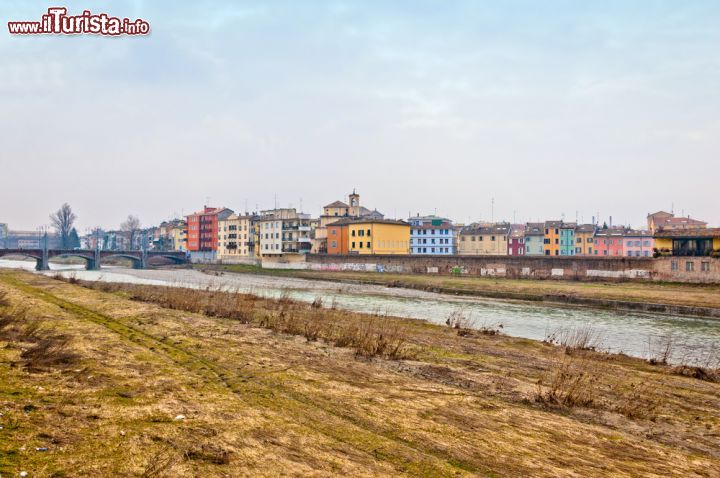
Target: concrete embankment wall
[(677, 269)]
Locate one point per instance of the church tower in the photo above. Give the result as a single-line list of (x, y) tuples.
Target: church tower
[(354, 203)]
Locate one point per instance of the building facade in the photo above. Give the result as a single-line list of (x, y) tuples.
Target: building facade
[(202, 228), (283, 231), (585, 239), (369, 236), (609, 242), (516, 240), (236, 237), (491, 241), (684, 242), (638, 244), (432, 235), (535, 239)]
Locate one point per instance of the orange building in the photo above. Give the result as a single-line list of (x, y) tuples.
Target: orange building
[(337, 237), (202, 228)]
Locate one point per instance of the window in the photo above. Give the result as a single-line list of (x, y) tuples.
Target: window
[(334, 232), (705, 266), (353, 245), (689, 266), (352, 233), (492, 238), (674, 265), (333, 244), (368, 233), (361, 245), (368, 245)]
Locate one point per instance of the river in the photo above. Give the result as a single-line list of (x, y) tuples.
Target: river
[(694, 341)]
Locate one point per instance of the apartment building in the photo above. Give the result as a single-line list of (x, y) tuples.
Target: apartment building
[(283, 231), (432, 235), (585, 239), (490, 240), (236, 237), (534, 239)]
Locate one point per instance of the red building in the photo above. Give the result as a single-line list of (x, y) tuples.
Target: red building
[(202, 228), (609, 242), (516, 240)]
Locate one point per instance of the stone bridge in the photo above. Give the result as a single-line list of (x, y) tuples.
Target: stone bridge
[(93, 258)]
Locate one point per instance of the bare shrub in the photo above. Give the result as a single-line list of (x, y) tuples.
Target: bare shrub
[(458, 321), (570, 382), (639, 402), (583, 337), (317, 303), (660, 350)]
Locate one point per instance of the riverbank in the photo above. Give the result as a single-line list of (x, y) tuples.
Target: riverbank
[(701, 300), (155, 380)]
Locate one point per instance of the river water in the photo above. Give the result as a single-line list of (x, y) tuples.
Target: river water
[(693, 340)]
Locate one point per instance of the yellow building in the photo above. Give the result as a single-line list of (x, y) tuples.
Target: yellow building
[(688, 242), (376, 236), (484, 241), (585, 239), (236, 237)]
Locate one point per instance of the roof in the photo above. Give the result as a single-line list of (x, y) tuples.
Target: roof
[(502, 229), (682, 220), (535, 229), (713, 232), (661, 213), (634, 233), (586, 228), (366, 220), (336, 204)]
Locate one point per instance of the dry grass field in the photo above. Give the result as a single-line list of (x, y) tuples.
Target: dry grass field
[(120, 380)]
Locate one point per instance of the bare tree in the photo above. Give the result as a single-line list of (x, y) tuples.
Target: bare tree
[(131, 225), (62, 220)]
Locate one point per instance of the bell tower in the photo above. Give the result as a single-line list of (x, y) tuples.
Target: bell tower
[(354, 204)]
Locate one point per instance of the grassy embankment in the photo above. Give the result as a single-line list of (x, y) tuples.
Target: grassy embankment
[(596, 292), (119, 380)]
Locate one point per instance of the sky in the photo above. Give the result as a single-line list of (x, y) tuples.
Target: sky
[(543, 109)]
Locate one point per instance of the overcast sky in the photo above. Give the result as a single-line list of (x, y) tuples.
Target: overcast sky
[(423, 106)]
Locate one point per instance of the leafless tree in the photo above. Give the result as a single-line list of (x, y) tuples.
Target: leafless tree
[(131, 225), (62, 220)]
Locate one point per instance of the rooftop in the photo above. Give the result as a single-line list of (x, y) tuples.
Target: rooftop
[(712, 232)]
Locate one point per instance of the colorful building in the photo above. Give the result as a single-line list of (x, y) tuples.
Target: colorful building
[(585, 239), (480, 241), (534, 239), (202, 229), (516, 240), (559, 238), (638, 244), (368, 236), (688, 242), (335, 211), (609, 242), (567, 238), (432, 235)]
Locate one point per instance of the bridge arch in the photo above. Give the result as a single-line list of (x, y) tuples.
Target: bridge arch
[(89, 260), (137, 261)]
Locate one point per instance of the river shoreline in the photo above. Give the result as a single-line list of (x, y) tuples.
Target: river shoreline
[(428, 284)]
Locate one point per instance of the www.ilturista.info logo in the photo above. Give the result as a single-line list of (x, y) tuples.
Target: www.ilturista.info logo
[(58, 22)]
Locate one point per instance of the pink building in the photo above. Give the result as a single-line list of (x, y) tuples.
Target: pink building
[(609, 242), (638, 244), (516, 240)]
